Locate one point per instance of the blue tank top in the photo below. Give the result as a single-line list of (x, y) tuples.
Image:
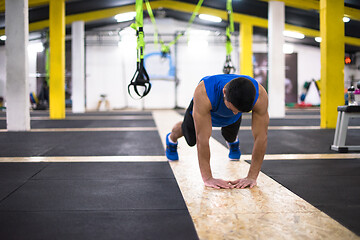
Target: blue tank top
[(221, 116)]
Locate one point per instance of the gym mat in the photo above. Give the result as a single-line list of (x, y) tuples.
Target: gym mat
[(293, 141), (303, 112), (298, 122), (94, 201), (86, 123), (98, 225), (330, 185), (28, 144), (13, 176), (150, 123), (286, 122), (94, 113)]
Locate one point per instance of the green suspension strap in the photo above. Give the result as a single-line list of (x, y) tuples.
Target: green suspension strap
[(151, 14), (140, 78), (165, 49), (228, 66)]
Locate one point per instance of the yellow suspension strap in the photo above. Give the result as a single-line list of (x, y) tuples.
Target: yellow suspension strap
[(165, 49), (140, 78), (229, 66)]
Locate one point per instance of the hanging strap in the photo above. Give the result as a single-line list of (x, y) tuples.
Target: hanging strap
[(165, 49), (151, 14), (228, 66), (194, 14), (140, 78)]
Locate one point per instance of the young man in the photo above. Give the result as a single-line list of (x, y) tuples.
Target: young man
[(219, 101)]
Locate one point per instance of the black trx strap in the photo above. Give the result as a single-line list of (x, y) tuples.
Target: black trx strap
[(228, 66), (141, 78)]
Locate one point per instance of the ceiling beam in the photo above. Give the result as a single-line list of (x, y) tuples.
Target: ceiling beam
[(32, 3), (182, 7), (352, 13)]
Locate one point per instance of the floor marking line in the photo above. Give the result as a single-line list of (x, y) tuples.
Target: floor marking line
[(127, 117), (306, 156), (109, 129), (86, 159), (289, 128), (289, 117)]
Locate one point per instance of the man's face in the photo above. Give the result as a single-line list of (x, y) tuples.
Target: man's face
[(230, 106)]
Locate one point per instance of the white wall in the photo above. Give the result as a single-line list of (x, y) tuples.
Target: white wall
[(104, 75), (32, 69), (309, 65), (194, 64), (32, 55)]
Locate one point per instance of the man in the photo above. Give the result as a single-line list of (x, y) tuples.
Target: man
[(219, 101)]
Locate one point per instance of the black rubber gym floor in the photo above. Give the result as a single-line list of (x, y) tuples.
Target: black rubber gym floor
[(142, 200), (35, 124), (97, 143), (99, 113), (298, 122), (331, 185), (92, 201), (306, 141), (293, 141), (83, 200)]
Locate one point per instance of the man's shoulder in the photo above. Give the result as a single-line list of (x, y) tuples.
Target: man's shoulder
[(261, 105), (200, 96)]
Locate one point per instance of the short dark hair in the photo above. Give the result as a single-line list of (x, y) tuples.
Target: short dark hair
[(241, 93)]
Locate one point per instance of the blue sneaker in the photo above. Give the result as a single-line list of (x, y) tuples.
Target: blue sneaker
[(235, 153), (171, 150)]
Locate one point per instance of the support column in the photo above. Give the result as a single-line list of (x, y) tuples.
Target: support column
[(276, 58), (17, 74), (246, 53), (57, 59), (77, 61), (332, 60)]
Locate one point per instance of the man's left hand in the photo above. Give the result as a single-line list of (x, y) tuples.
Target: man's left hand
[(243, 183)]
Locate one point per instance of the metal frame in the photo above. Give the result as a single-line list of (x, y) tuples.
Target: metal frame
[(341, 131)]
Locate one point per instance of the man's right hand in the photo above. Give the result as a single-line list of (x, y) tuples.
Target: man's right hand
[(217, 183)]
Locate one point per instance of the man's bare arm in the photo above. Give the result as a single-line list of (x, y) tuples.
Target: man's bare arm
[(203, 128), (259, 126)]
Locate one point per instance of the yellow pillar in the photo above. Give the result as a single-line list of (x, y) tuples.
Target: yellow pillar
[(57, 59), (246, 53), (332, 60)]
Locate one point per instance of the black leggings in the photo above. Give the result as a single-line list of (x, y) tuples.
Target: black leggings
[(230, 132)]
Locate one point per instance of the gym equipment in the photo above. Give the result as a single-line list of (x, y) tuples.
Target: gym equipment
[(229, 66), (344, 113), (140, 78), (165, 49)]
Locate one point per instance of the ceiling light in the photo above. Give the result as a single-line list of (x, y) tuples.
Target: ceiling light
[(318, 39), (346, 19), (3, 38), (210, 18), (294, 34), (123, 17)]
